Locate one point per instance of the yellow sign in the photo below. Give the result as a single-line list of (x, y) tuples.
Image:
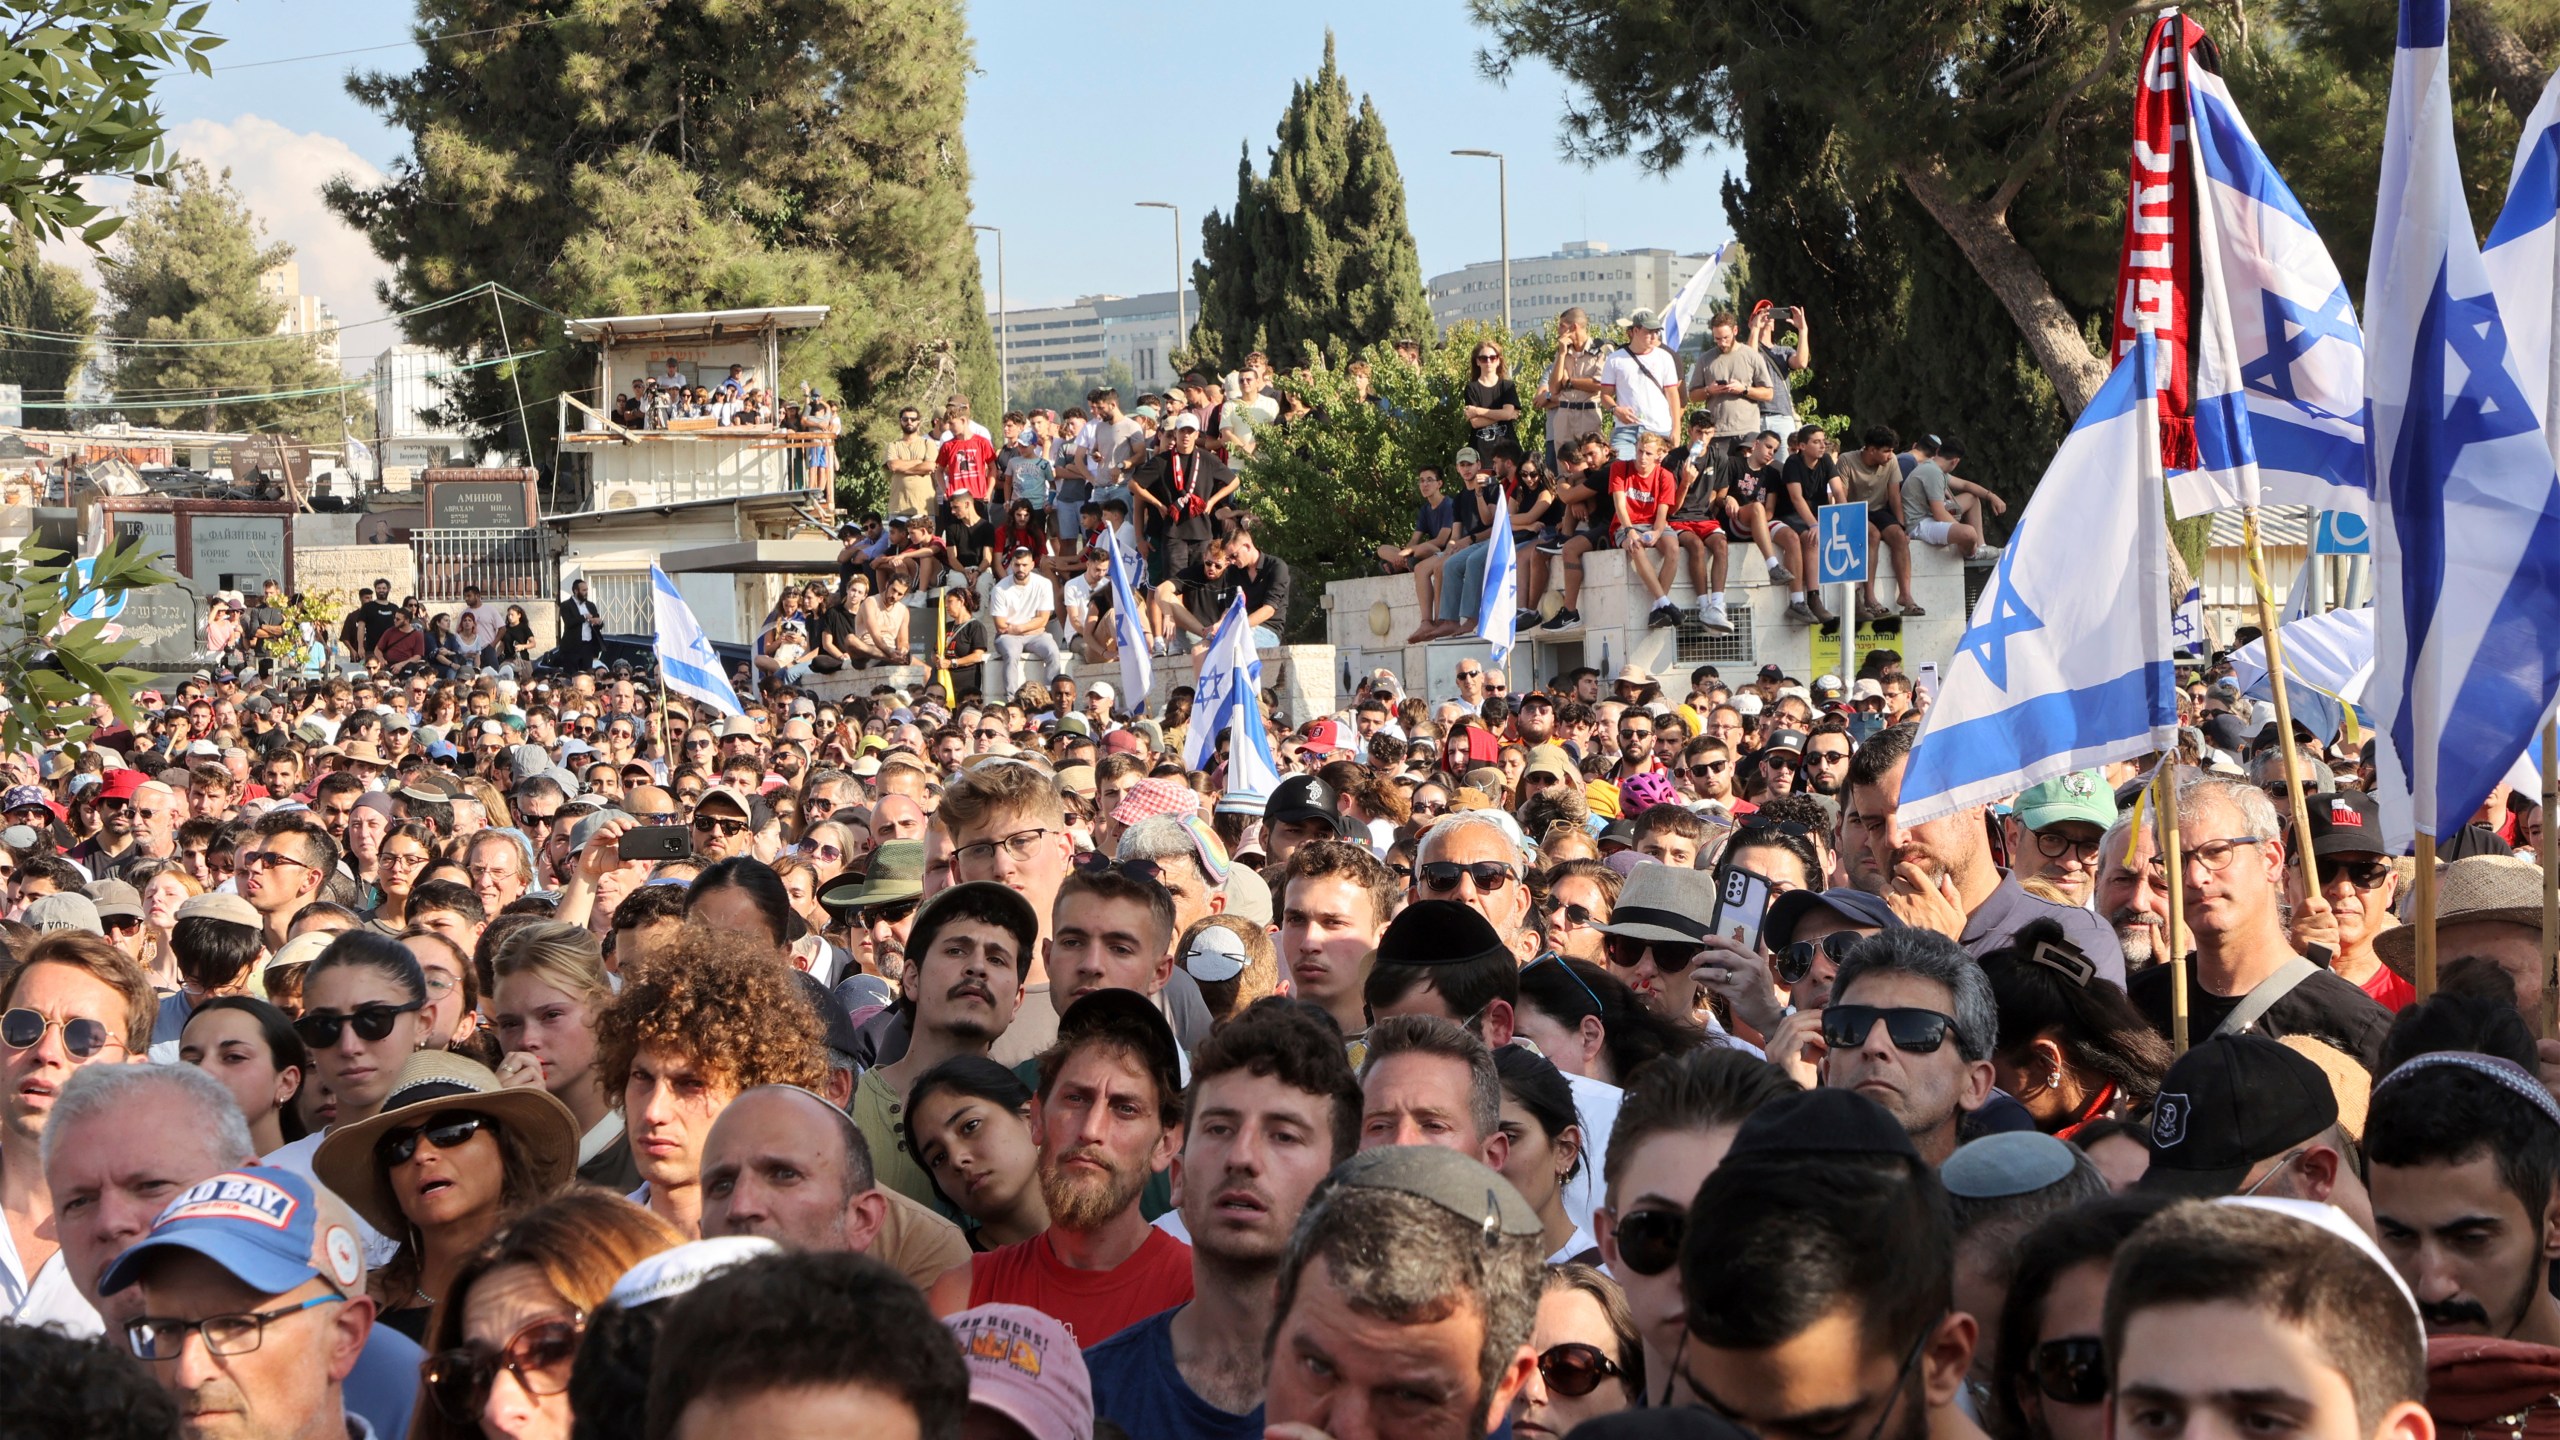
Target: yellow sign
[(1826, 648)]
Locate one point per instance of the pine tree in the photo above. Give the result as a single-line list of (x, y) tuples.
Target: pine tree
[(1317, 257), (38, 296), (629, 156), (185, 267)]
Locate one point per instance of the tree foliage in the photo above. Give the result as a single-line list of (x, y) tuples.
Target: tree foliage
[(1316, 259), (37, 295), (185, 267), (633, 156), (58, 669), (1945, 196), (75, 103), (1334, 483)]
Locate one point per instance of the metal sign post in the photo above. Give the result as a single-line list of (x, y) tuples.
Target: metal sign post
[(1840, 558)]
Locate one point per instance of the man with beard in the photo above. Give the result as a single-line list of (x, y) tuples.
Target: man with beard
[(1826, 758), (1272, 1107), (966, 956), (2463, 1154), (2056, 832), (2133, 892), (1108, 1115)]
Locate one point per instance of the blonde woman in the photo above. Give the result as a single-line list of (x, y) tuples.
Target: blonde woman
[(164, 886), (551, 985)]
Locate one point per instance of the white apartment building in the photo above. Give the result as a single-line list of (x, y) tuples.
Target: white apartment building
[(306, 315), (1604, 282), (1084, 338)]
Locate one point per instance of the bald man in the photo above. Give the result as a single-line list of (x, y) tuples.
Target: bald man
[(782, 1163)]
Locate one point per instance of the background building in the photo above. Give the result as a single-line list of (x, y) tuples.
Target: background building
[(407, 385), (1084, 339), (306, 315), (1607, 283)]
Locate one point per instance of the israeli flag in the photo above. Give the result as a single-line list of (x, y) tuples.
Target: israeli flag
[(359, 459), (1228, 696), (1128, 627), (2186, 628), (2467, 507), (1682, 317), (1498, 611), (2523, 256), (2279, 391), (2066, 664), (686, 661)]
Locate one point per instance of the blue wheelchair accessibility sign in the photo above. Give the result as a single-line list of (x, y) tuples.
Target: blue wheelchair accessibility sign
[(1841, 533)]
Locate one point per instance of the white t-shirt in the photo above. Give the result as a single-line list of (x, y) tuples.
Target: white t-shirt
[(1639, 381), (1080, 596), (1020, 602)]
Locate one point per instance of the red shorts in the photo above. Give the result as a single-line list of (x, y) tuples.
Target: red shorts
[(1697, 527)]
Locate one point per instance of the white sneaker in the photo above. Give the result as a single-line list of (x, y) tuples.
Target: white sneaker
[(1711, 614)]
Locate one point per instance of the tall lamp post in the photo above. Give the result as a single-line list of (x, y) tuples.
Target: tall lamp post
[(1181, 322), (1502, 202), (1004, 327)]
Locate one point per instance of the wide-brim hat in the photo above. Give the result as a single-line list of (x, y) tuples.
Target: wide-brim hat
[(1664, 905), (895, 872), (436, 1082), (2477, 887)]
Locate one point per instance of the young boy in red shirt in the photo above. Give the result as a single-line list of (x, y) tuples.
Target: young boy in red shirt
[(1641, 493)]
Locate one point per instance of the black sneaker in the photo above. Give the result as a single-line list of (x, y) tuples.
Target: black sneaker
[(1664, 616), (1525, 620), (1565, 619)]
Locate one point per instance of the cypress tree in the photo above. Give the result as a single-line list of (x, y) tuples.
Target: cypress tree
[(36, 294), (1317, 256), (667, 155)]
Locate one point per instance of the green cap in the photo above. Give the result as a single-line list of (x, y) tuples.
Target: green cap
[(2082, 795), (1464, 1187), (896, 872)]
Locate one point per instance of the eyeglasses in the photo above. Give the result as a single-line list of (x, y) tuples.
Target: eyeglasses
[(2273, 1171), (1018, 846), (989, 732), (1796, 961), (1550, 957), (262, 859), (449, 1133), (2071, 1371), (2054, 845), (713, 824), (25, 1029), (539, 1356), (2363, 874), (156, 1338), (697, 744), (389, 858), (1912, 1031), (1649, 1240), (1625, 734), (894, 912), (1826, 757), (1430, 807), (320, 1029), (1440, 877), (1574, 915), (1709, 770), (2213, 855), (1780, 760), (1576, 1369), (1627, 952)]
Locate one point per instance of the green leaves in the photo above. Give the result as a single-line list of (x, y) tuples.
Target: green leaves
[(76, 80), (52, 682)]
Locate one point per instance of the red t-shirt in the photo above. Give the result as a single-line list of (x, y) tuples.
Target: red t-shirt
[(1094, 1304), (2390, 991), (969, 463), (1647, 495)]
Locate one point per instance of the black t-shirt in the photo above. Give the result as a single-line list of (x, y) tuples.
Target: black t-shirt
[(1203, 475), (1756, 486), (376, 617), (971, 637), (1811, 482), (1204, 597), (1475, 503), (968, 544), (840, 625), (1494, 397), (1269, 584), (2323, 1007)]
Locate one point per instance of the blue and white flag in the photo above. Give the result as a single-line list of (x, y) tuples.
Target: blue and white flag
[(2066, 662), (1128, 627), (2279, 386), (1681, 317), (2467, 507), (2523, 256), (1498, 606), (2186, 628), (359, 459), (1228, 697), (686, 661)]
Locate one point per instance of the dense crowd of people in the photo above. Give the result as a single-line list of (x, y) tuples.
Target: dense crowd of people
[(533, 1055)]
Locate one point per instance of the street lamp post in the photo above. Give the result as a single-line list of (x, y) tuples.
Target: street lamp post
[(1004, 327), (1502, 202), (1181, 322)]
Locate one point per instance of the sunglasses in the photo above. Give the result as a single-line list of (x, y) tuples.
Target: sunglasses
[(1576, 915), (1710, 769), (2363, 874), (1626, 952), (1796, 961), (1913, 1031), (450, 1133), (1576, 1369), (24, 1030), (894, 912), (1649, 1240), (1440, 877), (713, 824), (539, 1356), (320, 1029), (2072, 1371)]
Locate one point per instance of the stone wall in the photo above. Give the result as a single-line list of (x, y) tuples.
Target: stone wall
[(1301, 676)]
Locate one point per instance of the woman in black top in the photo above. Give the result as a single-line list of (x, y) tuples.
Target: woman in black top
[(515, 638), (1493, 401)]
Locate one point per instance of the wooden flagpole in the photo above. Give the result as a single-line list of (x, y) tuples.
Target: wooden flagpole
[(2426, 915), (2267, 621), (2164, 804), (2550, 881)]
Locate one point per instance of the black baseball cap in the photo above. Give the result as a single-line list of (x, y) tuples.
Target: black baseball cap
[(2346, 822), (1307, 797), (2226, 1105), (1859, 908)]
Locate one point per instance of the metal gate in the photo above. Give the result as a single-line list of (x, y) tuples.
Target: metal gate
[(504, 564), (623, 596)]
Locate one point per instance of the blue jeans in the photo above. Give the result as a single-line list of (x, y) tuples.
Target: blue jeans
[(1462, 582)]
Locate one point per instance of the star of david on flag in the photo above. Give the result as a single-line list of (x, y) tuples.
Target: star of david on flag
[(2066, 664)]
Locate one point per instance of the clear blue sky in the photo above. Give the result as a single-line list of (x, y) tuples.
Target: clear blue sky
[(1060, 150)]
